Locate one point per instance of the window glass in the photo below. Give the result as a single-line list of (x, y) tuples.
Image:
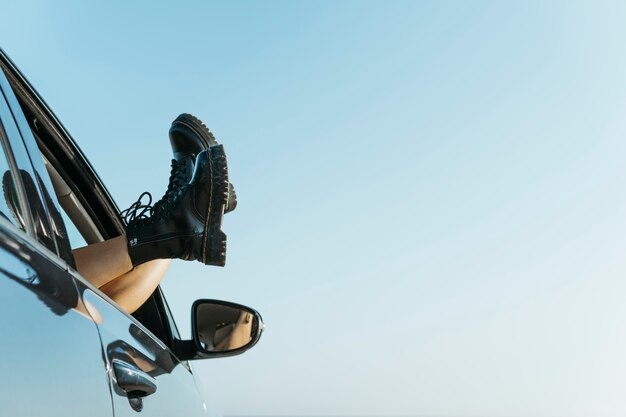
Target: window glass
[(10, 205), (37, 210)]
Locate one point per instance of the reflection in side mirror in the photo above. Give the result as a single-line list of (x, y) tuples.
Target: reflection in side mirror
[(221, 328)]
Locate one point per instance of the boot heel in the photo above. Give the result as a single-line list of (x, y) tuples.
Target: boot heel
[(214, 252), (214, 245)]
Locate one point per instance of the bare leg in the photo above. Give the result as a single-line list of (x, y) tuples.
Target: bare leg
[(102, 262), (108, 267), (133, 288)]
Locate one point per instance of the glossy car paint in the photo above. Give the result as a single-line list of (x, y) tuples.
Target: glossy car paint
[(125, 340), (51, 352)]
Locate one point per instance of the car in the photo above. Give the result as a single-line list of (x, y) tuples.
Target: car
[(67, 349)]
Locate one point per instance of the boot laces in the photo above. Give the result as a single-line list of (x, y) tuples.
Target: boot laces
[(178, 178), (139, 212)]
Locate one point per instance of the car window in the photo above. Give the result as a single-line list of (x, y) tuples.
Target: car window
[(35, 202), (11, 208)]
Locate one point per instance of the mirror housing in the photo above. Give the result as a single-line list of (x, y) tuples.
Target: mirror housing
[(219, 329)]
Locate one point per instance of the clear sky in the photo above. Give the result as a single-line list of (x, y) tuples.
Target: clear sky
[(432, 214)]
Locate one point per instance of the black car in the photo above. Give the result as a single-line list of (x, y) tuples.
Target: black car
[(67, 349)]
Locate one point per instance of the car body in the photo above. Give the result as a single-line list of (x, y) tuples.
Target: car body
[(67, 349)]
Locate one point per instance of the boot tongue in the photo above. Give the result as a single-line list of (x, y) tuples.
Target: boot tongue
[(187, 163), (180, 155)]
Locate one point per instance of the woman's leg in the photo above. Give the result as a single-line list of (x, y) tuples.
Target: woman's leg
[(108, 267), (133, 288), (102, 262)]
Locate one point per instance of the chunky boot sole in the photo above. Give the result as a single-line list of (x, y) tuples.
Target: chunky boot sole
[(197, 126), (214, 239)]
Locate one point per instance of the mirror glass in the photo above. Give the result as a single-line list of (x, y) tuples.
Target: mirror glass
[(225, 327)]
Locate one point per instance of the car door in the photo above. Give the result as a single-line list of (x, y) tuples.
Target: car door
[(51, 358), (164, 386), (131, 349)]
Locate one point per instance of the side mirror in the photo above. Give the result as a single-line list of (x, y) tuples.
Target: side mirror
[(220, 328)]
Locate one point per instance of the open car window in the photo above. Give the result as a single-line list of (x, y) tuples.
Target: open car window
[(84, 227)]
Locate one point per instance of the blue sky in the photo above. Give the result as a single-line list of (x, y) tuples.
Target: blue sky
[(431, 214)]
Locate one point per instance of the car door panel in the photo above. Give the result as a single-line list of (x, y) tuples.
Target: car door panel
[(126, 340), (52, 360)]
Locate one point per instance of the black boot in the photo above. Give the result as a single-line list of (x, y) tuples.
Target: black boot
[(189, 226), (188, 137)]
